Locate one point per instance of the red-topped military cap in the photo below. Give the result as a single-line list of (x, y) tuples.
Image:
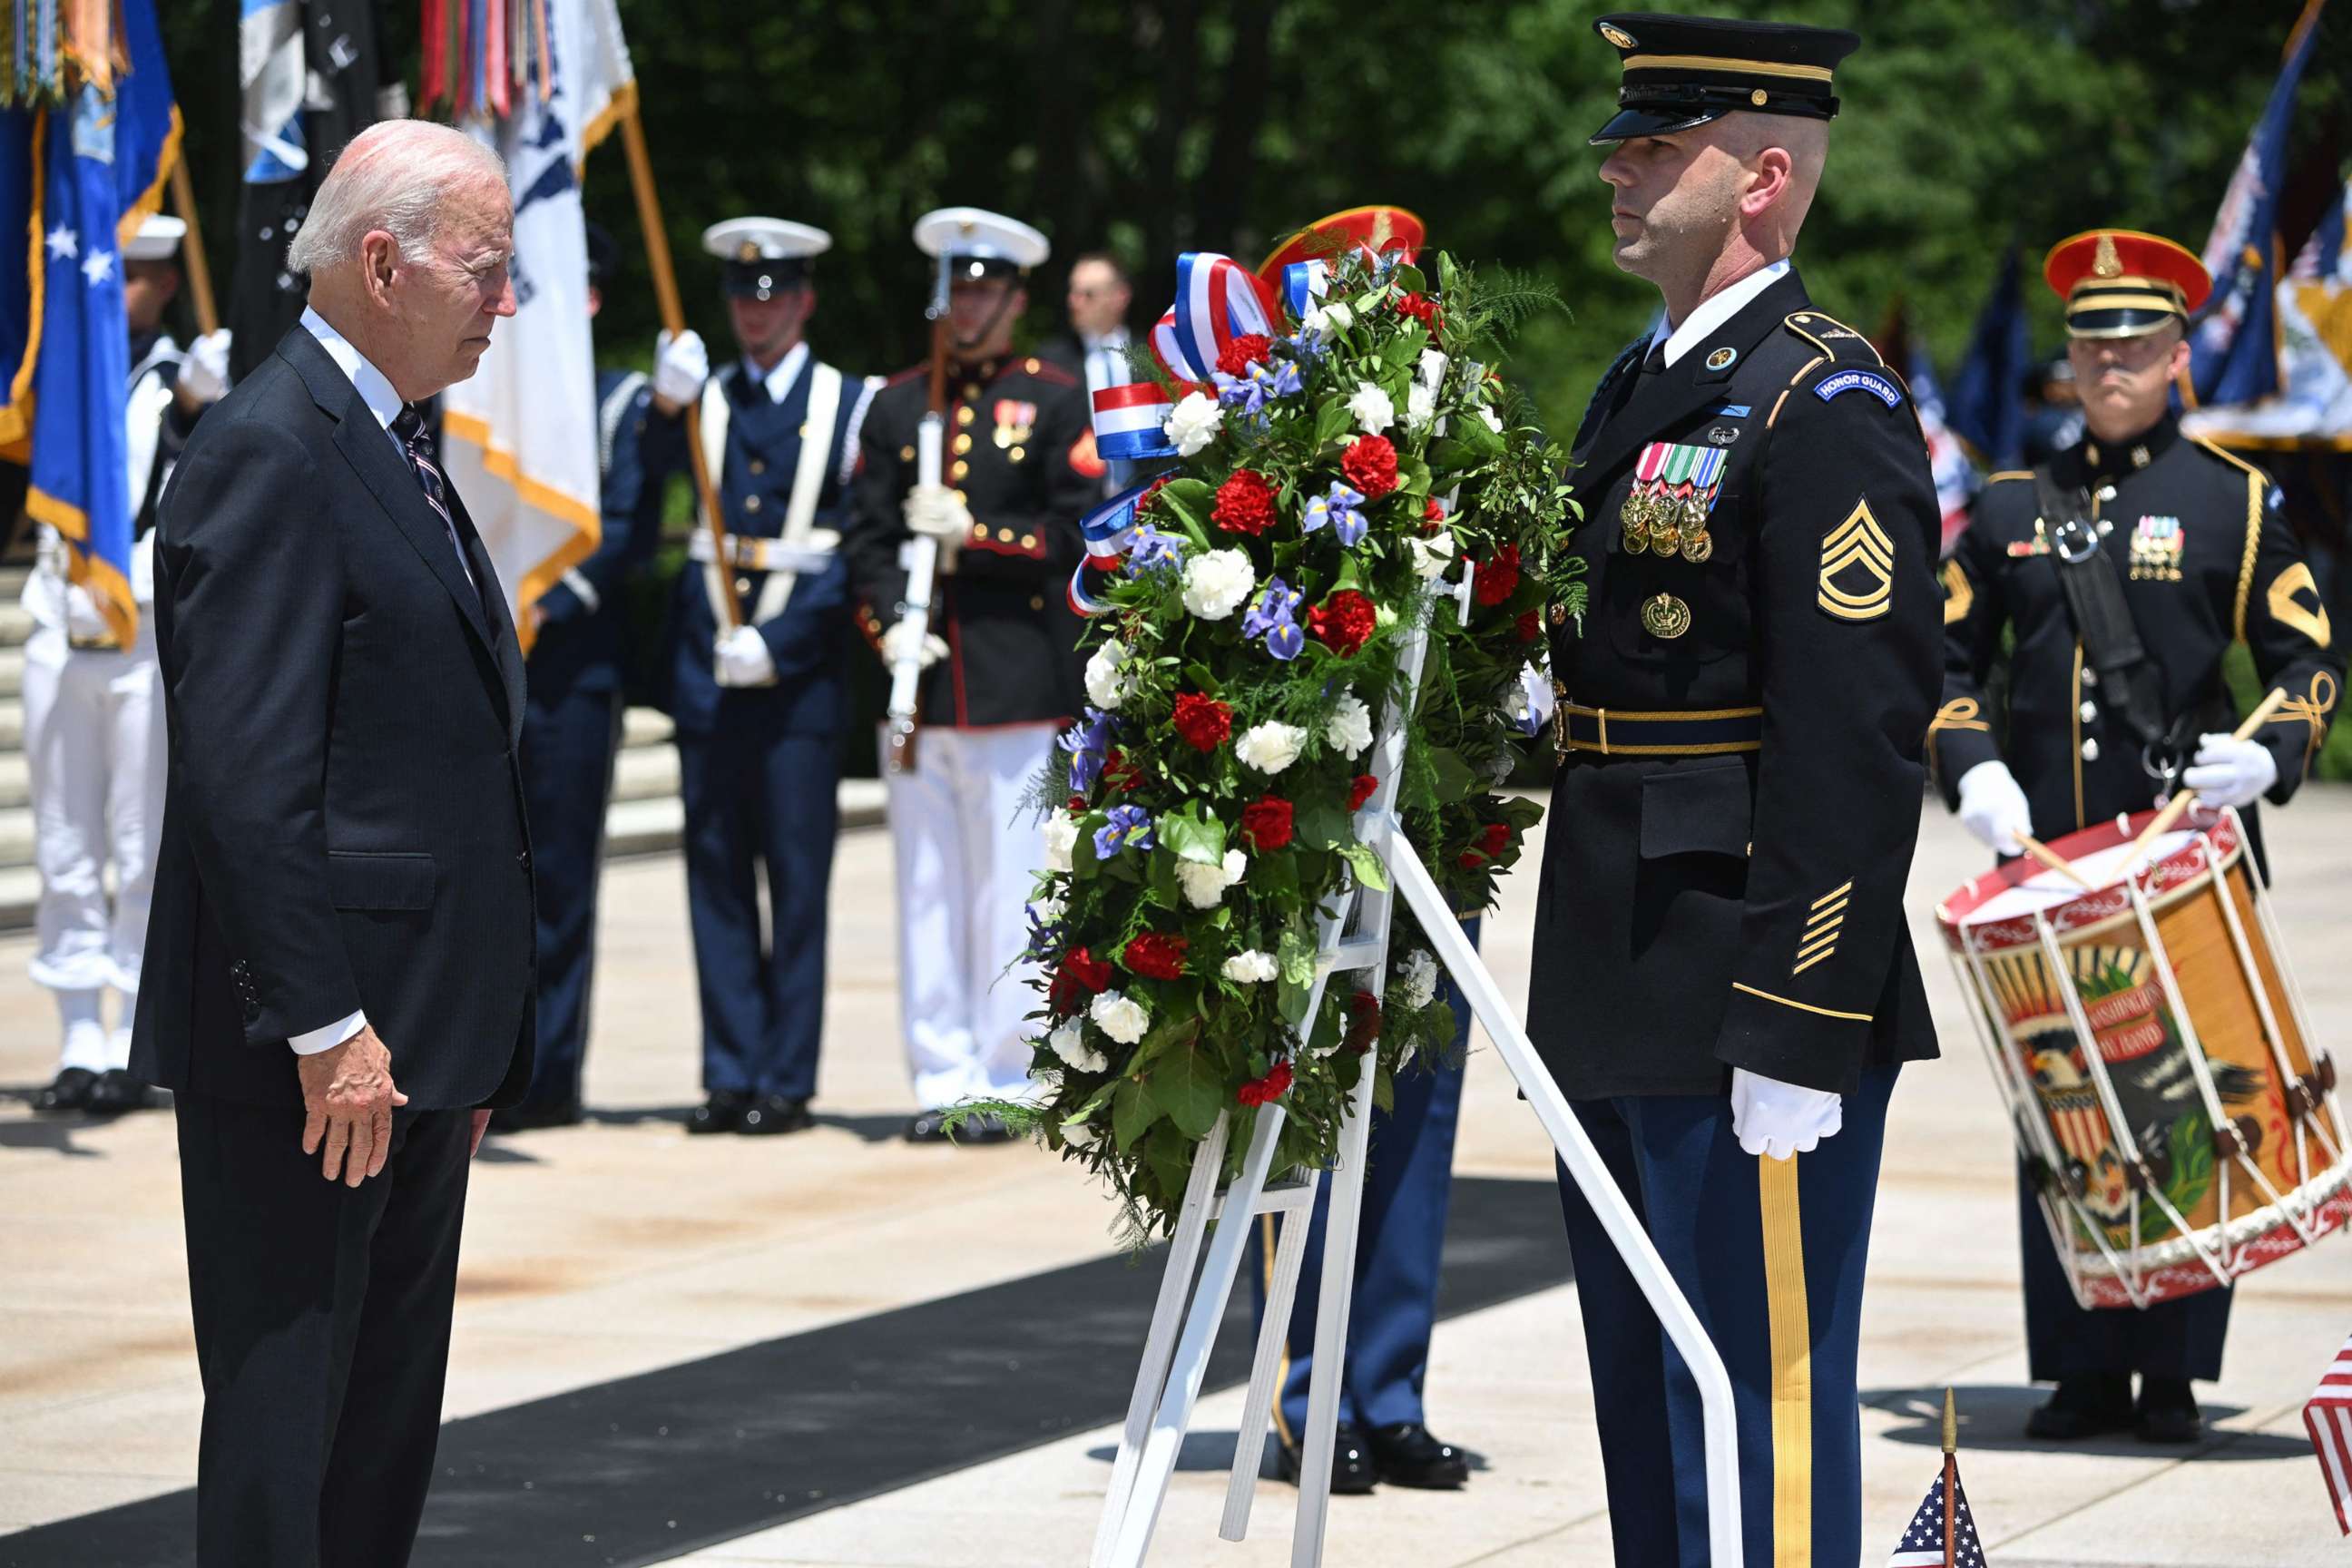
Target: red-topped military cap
[(2119, 282), (1682, 71), (1377, 228)]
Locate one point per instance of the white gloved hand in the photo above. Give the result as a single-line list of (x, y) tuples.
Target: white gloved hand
[(82, 618), (203, 374), (2229, 771), (681, 365), (935, 513), (741, 658), (1780, 1119), (929, 651), (1993, 807)]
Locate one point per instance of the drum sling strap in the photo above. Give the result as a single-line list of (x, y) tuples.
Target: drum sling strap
[(2111, 642)]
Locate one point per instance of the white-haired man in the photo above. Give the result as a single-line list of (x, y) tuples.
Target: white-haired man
[(338, 979)]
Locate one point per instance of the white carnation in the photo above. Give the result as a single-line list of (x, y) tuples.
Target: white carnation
[(1515, 704), (1420, 406), (1122, 1019), (1215, 584), (1270, 747), (1193, 423), (1204, 886), (1251, 967), (1372, 409), (1078, 1135), (1061, 837), (1048, 910), (1349, 730), (1334, 317), (1493, 420), (1107, 685), (1417, 979), (1433, 368), (1432, 553), (1069, 1042)]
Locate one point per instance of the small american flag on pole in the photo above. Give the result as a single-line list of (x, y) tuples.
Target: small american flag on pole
[(1923, 1544), (2327, 1416)]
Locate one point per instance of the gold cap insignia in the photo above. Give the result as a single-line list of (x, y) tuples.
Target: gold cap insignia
[(1618, 37), (2104, 262), (749, 250), (1858, 579)]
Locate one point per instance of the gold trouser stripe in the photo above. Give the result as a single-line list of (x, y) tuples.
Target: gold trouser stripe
[(1792, 1363), (1801, 1006), (1281, 1372), (1723, 63)]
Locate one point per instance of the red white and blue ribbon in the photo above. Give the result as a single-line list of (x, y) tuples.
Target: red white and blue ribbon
[(1303, 283), (1082, 603), (1110, 527), (1131, 422), (1217, 301)]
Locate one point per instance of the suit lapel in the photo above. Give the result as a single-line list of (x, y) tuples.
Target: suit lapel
[(504, 647), (368, 448)]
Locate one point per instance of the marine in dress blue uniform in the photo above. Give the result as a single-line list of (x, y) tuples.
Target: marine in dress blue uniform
[(571, 717), (2206, 558), (1722, 986), (760, 709)]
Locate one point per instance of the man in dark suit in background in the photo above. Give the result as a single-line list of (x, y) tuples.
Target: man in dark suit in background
[(339, 971)]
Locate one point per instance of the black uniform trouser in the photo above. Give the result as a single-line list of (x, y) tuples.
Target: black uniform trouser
[(322, 1334), (569, 743), (2175, 1339)]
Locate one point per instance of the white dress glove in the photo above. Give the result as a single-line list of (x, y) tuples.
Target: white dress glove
[(1993, 808), (681, 365), (932, 648), (82, 618), (203, 374), (935, 513), (1769, 1117), (2229, 771), (741, 658)]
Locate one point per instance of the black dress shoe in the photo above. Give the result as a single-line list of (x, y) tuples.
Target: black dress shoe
[(2082, 1407), (1352, 1473), (773, 1113), (531, 1116), (69, 1091), (2167, 1411), (931, 1127), (1407, 1455), (115, 1092), (722, 1112)]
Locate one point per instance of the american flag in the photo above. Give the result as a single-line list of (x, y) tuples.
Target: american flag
[(1923, 1544), (2329, 1419)]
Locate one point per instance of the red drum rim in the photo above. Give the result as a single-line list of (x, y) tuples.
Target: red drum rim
[(2184, 864)]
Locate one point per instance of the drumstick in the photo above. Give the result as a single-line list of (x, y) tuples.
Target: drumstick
[(2052, 859), (2179, 804)]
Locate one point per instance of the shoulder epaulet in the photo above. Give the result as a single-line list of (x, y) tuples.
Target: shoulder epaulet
[(2009, 474), (1042, 369), (910, 373), (1838, 343), (2231, 458)]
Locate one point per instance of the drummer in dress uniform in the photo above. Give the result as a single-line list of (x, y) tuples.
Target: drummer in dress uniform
[(1002, 674), (572, 723), (2193, 545), (759, 707), (94, 733), (1723, 985)]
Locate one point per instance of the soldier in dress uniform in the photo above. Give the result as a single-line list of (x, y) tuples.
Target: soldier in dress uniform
[(760, 706), (94, 719), (572, 720), (1724, 987), (2195, 542), (1002, 671)]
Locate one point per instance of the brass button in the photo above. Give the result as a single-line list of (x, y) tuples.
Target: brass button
[(742, 585), (751, 503), (963, 443), (1017, 454), (970, 391), (957, 493), (907, 454), (1036, 601), (1029, 365), (804, 432), (980, 530), (757, 467), (1028, 541), (965, 414), (959, 469), (1004, 535)]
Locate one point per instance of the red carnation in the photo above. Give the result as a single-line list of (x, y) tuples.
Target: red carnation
[(1156, 957), (1121, 774), (1499, 579), (1143, 502), (1343, 621), (1369, 465), (1245, 503), (1432, 512), (1530, 625), (1494, 838), (1081, 976), (1363, 1023), (1267, 1089), (1266, 823), (1204, 721), (1422, 309), (1249, 348), (1361, 791), (1077, 806)]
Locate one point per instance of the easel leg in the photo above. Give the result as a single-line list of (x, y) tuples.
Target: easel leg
[(1281, 1291), (1338, 1293)]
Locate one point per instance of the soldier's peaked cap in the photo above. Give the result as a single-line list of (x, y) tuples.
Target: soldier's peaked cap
[(2119, 282), (765, 256), (1682, 71), (980, 244)]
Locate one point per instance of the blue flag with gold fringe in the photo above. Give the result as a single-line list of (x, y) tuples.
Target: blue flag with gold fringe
[(84, 173)]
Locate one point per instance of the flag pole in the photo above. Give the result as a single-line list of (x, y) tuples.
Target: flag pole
[(1951, 1477), (673, 316), (191, 248)]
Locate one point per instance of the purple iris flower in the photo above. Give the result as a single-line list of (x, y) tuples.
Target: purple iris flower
[(1239, 392), (1086, 744), (1129, 826), (1337, 507), (1272, 617), (1308, 346), (1271, 380), (1152, 551)]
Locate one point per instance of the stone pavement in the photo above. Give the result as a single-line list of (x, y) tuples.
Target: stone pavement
[(619, 1249)]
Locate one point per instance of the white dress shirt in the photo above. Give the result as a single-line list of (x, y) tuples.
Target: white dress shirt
[(1105, 361), (778, 381), (1720, 307)]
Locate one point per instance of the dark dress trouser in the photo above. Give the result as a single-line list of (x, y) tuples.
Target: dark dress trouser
[(2179, 1339), (323, 1320)]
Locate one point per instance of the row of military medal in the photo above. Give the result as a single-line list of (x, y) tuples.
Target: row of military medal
[(1665, 514)]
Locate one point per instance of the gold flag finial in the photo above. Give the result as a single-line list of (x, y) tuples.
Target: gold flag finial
[(2104, 262), (1952, 1424)]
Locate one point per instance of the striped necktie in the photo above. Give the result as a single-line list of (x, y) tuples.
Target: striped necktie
[(418, 442)]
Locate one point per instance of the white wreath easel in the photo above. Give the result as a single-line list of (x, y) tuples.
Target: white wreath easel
[(1168, 1383)]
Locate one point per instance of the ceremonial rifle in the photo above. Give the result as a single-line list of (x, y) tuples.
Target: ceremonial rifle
[(920, 554)]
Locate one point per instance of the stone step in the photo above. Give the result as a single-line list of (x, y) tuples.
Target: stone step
[(20, 885), (12, 724), (15, 836), (15, 622), (12, 672), (645, 727), (647, 772), (15, 779)]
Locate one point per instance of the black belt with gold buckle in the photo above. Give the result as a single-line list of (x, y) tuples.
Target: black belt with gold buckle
[(1627, 733)]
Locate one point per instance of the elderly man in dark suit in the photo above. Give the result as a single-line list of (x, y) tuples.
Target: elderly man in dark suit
[(339, 978)]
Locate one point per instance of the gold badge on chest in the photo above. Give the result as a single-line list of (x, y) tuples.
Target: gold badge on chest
[(1666, 617)]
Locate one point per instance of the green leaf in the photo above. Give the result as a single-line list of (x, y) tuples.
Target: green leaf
[(1190, 838), (1274, 874), (1133, 1110), (1203, 682), (1321, 825), (1454, 779), (1185, 1084), (1330, 424), (1368, 868), (1409, 278), (1384, 1091)]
